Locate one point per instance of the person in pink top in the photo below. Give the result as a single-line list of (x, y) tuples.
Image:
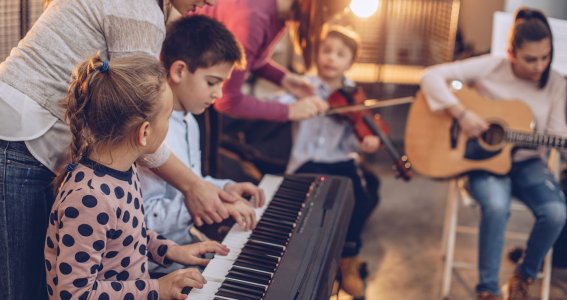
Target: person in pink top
[(526, 75), (97, 244), (258, 26)]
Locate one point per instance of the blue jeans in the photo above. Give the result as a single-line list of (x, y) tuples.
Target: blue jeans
[(532, 183), (25, 201)]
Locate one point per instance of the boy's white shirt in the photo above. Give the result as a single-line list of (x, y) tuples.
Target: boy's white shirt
[(164, 205), (321, 139)]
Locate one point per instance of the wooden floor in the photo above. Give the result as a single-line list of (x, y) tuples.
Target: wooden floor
[(402, 244)]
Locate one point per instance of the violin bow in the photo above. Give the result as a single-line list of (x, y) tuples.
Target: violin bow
[(369, 104)]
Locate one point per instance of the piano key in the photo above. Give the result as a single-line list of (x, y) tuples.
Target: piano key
[(259, 259), (235, 295), (248, 277), (245, 282), (269, 245), (253, 264), (246, 290), (246, 264), (245, 273), (262, 252), (234, 286), (253, 270)]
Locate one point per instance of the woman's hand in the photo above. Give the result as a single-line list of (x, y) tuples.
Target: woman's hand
[(370, 144), (470, 122), (297, 85), (307, 108), (191, 254), (171, 285)]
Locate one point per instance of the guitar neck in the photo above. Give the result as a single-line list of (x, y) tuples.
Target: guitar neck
[(535, 139)]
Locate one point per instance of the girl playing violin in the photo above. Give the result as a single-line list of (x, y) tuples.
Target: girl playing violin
[(325, 144)]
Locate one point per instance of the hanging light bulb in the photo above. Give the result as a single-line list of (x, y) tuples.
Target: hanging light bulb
[(363, 8)]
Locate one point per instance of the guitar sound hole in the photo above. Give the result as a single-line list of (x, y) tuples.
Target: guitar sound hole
[(494, 135)]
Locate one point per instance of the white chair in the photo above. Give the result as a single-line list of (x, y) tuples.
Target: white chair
[(458, 196)]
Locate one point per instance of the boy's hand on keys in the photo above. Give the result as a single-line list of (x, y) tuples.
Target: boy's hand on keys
[(245, 190), (243, 213)]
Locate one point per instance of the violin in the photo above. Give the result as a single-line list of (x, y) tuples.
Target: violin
[(365, 123)]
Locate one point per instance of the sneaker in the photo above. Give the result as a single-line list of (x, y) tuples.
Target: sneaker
[(487, 296), (518, 287)]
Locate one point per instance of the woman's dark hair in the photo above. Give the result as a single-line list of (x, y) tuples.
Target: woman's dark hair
[(531, 25)]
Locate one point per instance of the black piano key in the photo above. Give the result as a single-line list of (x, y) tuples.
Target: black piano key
[(279, 211), (295, 185), (252, 291), (290, 211), (283, 238), (253, 270), (252, 276), (267, 245), (274, 215), (268, 238), (251, 273), (273, 229), (267, 229), (246, 262), (292, 224), (296, 198), (246, 283), (260, 246), (297, 194), (277, 222), (247, 265), (260, 258), (278, 199), (292, 188), (235, 295), (248, 277), (279, 227), (262, 252)]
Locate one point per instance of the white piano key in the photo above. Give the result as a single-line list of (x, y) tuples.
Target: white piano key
[(218, 267)]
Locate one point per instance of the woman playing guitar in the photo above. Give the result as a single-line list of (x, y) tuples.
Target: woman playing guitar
[(524, 75)]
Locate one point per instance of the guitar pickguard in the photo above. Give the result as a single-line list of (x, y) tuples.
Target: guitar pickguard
[(473, 151)]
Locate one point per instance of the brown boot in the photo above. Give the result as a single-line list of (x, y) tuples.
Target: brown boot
[(352, 283), (487, 296), (518, 287)]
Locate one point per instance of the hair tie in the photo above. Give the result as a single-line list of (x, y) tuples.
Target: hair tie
[(105, 66), (70, 167)]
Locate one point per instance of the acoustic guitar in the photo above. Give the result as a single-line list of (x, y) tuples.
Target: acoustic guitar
[(439, 148)]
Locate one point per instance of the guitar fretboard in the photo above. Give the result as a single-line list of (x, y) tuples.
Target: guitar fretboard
[(535, 139)]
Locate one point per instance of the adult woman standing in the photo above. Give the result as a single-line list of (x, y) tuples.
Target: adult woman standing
[(33, 135)]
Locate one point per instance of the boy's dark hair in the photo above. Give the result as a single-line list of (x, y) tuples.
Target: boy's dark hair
[(200, 42), (530, 25)]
